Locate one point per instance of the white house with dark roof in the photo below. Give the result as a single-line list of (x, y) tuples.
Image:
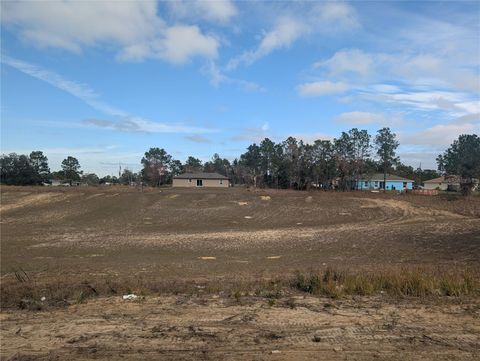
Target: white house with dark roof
[(200, 180)]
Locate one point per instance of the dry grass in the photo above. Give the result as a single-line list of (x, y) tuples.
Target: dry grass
[(28, 292), (405, 282)]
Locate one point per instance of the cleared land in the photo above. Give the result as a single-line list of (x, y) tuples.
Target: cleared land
[(216, 269)]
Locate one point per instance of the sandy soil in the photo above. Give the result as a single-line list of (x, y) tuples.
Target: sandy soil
[(214, 328)]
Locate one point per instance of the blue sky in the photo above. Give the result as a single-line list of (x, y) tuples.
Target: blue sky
[(105, 81)]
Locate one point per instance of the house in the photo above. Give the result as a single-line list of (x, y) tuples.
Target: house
[(447, 183), (440, 183), (393, 182), (200, 179), (57, 183)]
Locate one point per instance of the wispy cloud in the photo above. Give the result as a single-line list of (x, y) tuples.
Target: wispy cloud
[(126, 122), (286, 31), (218, 77), (360, 118), (139, 125), (218, 11), (78, 90), (325, 18), (254, 134), (321, 88), (196, 138)]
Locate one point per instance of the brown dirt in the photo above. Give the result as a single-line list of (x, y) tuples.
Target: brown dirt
[(213, 328), (181, 234)]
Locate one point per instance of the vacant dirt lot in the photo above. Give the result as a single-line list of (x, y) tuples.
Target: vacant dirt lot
[(200, 235)]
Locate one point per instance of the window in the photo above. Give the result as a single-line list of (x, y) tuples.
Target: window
[(190, 180), (404, 185), (376, 183), (366, 184), (221, 181), (199, 182)]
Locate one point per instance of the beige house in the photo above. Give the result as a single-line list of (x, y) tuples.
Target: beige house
[(200, 180), (449, 183), (437, 183)]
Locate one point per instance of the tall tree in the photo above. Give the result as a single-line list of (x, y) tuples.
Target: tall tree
[(323, 163), (91, 179), (176, 167), (252, 162), (156, 163), (39, 163), (17, 170), (386, 144), (462, 158), (127, 177), (267, 155), (360, 145), (71, 169), (291, 154), (193, 165), (344, 156)]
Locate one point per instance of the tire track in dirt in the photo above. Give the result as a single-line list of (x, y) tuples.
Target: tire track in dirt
[(34, 200), (215, 327)]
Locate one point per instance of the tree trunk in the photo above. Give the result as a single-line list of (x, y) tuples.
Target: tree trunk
[(384, 178)]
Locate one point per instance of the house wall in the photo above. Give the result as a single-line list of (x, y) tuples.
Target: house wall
[(207, 183), (390, 185), (441, 186)]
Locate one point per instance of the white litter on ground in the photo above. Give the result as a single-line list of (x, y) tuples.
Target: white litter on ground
[(130, 297), (273, 257), (208, 257), (248, 217)]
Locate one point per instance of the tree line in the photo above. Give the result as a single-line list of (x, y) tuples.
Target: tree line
[(291, 163)]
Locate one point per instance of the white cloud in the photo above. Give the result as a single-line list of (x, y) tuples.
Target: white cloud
[(347, 61), (321, 88), (183, 42), (285, 32), (215, 11), (127, 122), (335, 16), (140, 125), (78, 90), (440, 135), (360, 118), (328, 17), (424, 99), (132, 26), (254, 134), (217, 77), (196, 138)]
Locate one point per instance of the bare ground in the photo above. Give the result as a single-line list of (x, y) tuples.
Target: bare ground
[(197, 235), (211, 328)]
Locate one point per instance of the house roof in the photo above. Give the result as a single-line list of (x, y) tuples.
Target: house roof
[(390, 177), (200, 175), (451, 179), (436, 180)]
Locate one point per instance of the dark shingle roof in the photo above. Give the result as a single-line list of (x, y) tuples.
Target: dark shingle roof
[(200, 175), (390, 177)]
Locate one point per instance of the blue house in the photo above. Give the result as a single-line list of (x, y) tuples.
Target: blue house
[(394, 182)]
